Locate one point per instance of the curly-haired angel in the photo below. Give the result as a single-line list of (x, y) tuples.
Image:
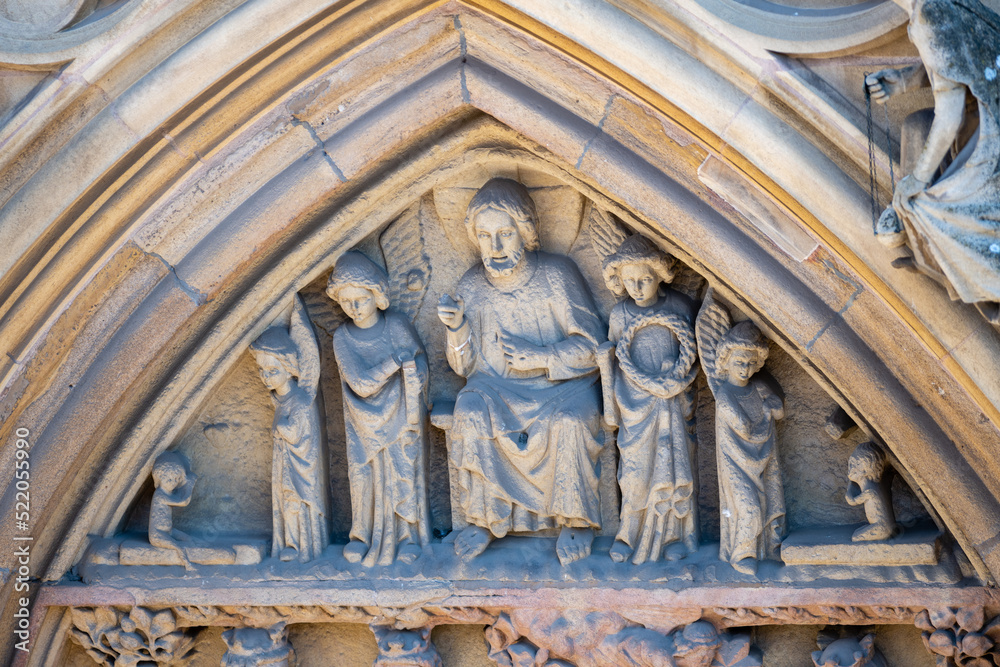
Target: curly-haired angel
[(383, 374), (652, 334), (289, 367), (751, 497)]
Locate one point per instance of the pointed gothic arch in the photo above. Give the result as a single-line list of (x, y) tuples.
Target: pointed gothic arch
[(181, 210)]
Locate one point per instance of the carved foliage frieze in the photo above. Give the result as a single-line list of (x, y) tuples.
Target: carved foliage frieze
[(134, 637)]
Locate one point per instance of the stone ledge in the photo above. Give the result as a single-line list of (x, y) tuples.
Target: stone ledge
[(833, 546)]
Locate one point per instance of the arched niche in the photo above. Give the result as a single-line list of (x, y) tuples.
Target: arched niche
[(192, 222)]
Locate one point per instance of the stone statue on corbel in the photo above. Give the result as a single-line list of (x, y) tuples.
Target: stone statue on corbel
[(946, 209)]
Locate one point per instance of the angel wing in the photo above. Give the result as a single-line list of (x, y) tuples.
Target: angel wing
[(687, 281), (408, 266), (606, 233), (323, 311), (302, 334), (712, 325)]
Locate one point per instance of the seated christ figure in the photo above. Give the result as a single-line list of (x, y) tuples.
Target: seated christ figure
[(523, 328)]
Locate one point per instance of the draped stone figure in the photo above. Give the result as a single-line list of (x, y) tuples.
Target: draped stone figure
[(952, 220), (383, 374), (289, 367), (523, 329), (652, 334), (751, 495)]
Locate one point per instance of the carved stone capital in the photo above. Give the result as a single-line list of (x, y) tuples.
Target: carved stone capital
[(961, 636), (138, 636), (405, 648), (258, 647)]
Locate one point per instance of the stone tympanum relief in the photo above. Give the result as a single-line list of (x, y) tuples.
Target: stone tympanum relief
[(752, 499), (947, 208), (522, 328), (871, 486), (289, 367), (511, 362), (383, 372), (649, 397)]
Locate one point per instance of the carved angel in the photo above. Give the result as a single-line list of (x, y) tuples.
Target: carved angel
[(289, 367), (751, 496), (648, 395), (383, 373)]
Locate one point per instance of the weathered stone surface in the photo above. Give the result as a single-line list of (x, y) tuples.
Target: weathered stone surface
[(186, 176), (833, 546)]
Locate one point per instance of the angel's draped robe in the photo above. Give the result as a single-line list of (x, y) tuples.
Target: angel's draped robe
[(386, 437), (526, 443), (656, 467), (751, 496), (299, 490)]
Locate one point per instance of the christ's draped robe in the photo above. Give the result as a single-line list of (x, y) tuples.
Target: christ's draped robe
[(526, 443)]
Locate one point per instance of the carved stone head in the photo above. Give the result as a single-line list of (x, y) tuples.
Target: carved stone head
[(637, 252), (501, 222), (696, 645), (849, 652), (359, 285), (170, 471), (277, 357), (742, 352), (866, 462)]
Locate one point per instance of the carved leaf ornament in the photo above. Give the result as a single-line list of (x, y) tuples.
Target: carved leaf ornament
[(958, 637), (137, 638), (669, 382)]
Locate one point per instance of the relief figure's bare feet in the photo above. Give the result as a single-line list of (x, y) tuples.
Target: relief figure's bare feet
[(472, 541), (355, 550), (408, 553), (620, 551), (574, 544)]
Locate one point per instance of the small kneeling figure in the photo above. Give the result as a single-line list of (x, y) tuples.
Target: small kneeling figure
[(866, 469), (174, 487)]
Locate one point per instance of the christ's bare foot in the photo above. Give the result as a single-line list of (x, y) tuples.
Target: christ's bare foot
[(620, 551), (472, 541), (355, 551), (574, 544), (675, 551), (746, 565), (408, 553)]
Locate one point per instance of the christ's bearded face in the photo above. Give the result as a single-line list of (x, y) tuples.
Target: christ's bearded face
[(500, 242)]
